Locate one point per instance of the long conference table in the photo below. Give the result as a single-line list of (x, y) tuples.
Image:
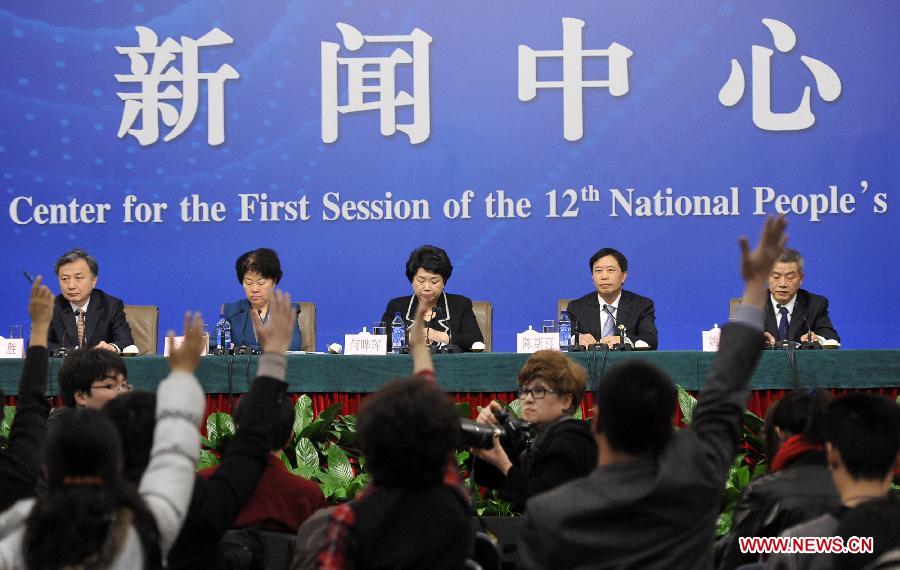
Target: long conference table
[(479, 377)]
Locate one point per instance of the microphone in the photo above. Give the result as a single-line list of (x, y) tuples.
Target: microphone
[(809, 344), (575, 345), (622, 345)]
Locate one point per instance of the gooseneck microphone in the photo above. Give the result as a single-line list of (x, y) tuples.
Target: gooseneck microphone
[(575, 345)]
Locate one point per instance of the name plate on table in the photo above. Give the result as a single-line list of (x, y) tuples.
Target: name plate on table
[(179, 340), (365, 343), (12, 347), (711, 339), (533, 341)]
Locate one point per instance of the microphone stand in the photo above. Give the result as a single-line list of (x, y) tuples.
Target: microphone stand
[(574, 340), (622, 345)]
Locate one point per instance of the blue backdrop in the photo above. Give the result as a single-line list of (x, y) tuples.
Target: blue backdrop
[(62, 116)]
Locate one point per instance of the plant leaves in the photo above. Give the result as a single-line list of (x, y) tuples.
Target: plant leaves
[(687, 403), (207, 459), (339, 465), (463, 409), (303, 413), (307, 454), (219, 427), (9, 413), (516, 407)]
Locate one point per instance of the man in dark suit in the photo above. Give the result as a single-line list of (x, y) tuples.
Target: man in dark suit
[(793, 313), (653, 500), (83, 315), (598, 314)]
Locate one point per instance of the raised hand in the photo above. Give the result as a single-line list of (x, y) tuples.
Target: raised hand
[(757, 264), (40, 309), (275, 334), (186, 357)]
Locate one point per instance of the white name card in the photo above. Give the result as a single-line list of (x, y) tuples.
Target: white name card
[(179, 340), (365, 343), (12, 347), (533, 341), (711, 339)]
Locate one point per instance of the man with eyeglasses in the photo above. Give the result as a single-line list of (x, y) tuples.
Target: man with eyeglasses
[(550, 389), (83, 316), (88, 378)]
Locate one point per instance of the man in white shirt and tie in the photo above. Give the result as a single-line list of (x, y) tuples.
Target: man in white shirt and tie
[(597, 315), (792, 313)]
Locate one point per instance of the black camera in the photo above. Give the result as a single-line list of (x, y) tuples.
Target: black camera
[(514, 433)]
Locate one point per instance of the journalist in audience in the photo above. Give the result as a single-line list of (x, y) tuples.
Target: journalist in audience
[(19, 464), (449, 319), (85, 317), (862, 435), (258, 272), (653, 500), (551, 387), (281, 500), (215, 502), (798, 486), (597, 315), (90, 517), (89, 378), (415, 513), (793, 313)]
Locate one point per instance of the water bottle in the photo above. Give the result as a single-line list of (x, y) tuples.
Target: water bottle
[(220, 330), (565, 331), (398, 334), (226, 336)]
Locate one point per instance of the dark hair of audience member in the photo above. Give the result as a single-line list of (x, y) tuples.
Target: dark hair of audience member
[(430, 258), (635, 401), (281, 426), (407, 431), (865, 429), (134, 415), (84, 518), (877, 518), (263, 261), (84, 366), (799, 412), (601, 253)]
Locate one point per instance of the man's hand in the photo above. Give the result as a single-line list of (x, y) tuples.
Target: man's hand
[(586, 339), (186, 357), (757, 264), (40, 309), (770, 340), (809, 336), (610, 341), (106, 346), (275, 334)]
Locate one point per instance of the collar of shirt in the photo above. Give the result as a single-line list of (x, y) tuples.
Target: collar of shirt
[(84, 308), (789, 305)]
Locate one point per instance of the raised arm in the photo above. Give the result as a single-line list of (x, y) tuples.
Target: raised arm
[(168, 481), (725, 391), (20, 463)]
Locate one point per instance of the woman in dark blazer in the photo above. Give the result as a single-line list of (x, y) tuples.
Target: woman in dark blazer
[(449, 319)]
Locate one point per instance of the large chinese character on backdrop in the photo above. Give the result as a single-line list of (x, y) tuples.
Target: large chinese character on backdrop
[(381, 73), (827, 83), (573, 82), (152, 65)]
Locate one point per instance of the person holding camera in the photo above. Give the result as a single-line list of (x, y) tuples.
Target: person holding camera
[(550, 387)]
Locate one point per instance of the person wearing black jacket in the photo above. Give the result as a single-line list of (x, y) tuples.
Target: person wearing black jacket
[(449, 319), (799, 485), (216, 502), (550, 387), (20, 462)]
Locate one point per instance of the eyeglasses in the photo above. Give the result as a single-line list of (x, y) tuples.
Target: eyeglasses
[(537, 393), (124, 387)]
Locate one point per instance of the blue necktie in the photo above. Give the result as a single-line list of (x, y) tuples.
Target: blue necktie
[(610, 327), (783, 323)]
